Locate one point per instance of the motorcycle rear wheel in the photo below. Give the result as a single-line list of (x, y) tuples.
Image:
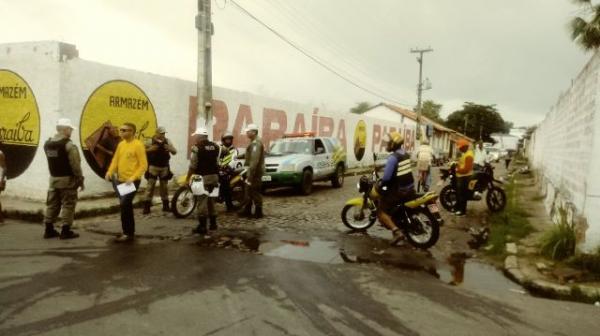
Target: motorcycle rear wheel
[(495, 199), (183, 202), (354, 220), (424, 231)]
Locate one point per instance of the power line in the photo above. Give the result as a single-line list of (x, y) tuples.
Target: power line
[(313, 58)]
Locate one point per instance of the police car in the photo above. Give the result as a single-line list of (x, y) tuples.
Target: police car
[(300, 159)]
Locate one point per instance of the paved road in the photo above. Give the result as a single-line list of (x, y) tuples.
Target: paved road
[(271, 279)]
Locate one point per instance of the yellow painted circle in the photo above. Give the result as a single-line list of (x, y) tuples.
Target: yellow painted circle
[(360, 140), (113, 104), (19, 122)]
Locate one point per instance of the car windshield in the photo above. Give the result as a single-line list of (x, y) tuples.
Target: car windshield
[(290, 147)]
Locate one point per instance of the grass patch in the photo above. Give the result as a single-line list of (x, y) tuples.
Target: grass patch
[(510, 225), (589, 263), (560, 241)]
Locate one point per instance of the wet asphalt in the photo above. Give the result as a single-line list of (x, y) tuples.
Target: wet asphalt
[(253, 283)]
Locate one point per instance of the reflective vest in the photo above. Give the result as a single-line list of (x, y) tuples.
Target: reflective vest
[(462, 162), (207, 156), (403, 180), (227, 155), (159, 157), (58, 158)]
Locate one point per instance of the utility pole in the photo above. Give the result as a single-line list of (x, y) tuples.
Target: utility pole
[(204, 84), (420, 86), (466, 123)]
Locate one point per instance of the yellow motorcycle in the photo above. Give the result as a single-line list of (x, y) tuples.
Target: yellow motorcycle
[(184, 201), (419, 219)]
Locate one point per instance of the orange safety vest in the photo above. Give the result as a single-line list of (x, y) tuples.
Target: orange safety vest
[(462, 162)]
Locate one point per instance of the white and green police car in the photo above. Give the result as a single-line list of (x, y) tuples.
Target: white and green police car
[(300, 159)]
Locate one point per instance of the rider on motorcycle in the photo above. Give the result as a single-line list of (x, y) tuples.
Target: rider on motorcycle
[(397, 184), (227, 162)]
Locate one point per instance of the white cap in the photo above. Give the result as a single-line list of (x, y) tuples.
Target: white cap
[(65, 122), (200, 131), (251, 127)]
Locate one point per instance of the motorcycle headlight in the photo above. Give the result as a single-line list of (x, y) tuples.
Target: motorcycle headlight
[(363, 184)]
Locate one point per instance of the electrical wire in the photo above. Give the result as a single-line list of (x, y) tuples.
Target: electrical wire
[(314, 58)]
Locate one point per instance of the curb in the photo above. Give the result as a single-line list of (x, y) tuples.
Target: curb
[(37, 215), (547, 289)]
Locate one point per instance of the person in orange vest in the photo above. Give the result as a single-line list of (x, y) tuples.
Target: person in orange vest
[(464, 171)]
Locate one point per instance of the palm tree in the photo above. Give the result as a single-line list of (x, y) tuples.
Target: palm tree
[(587, 33)]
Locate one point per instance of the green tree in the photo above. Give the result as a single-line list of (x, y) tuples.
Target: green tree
[(483, 119), (585, 29), (361, 108), (432, 111)]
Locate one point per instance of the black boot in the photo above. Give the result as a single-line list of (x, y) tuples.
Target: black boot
[(66, 233), (213, 223), (246, 211), (50, 231), (166, 206), (258, 212), (147, 205), (201, 228)]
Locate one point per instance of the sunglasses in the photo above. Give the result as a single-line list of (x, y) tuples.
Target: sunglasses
[(125, 130)]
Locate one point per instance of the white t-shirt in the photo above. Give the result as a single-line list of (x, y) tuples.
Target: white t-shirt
[(480, 157)]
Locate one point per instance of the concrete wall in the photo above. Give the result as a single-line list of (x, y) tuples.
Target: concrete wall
[(565, 148), (64, 83)]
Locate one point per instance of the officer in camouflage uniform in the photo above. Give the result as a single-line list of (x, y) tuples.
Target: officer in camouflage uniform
[(255, 163), (158, 150), (66, 177), (204, 161)]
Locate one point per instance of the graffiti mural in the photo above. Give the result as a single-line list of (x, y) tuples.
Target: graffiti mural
[(109, 106), (19, 122)]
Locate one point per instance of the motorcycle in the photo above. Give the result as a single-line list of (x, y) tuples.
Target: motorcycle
[(419, 219), (184, 201), (481, 182)]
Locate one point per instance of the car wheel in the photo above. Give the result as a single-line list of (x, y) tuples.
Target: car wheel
[(306, 182), (338, 178)]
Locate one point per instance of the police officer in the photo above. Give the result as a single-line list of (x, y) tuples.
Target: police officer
[(255, 162), (64, 164), (204, 161), (227, 161), (158, 150)]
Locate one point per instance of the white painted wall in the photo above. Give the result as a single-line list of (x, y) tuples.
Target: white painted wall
[(565, 148), (62, 84)]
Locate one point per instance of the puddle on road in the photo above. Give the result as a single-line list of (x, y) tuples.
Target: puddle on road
[(458, 269), (470, 274), (319, 251)]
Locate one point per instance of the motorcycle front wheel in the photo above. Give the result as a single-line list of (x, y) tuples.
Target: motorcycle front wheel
[(355, 218), (423, 231), (237, 194), (183, 202), (448, 198), (496, 199)]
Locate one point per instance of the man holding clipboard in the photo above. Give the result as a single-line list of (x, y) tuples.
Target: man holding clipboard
[(125, 172)]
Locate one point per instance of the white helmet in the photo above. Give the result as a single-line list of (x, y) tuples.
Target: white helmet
[(200, 131), (251, 127)]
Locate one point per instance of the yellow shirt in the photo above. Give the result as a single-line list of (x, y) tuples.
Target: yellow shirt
[(129, 161)]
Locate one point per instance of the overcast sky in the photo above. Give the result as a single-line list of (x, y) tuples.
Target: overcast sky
[(513, 53)]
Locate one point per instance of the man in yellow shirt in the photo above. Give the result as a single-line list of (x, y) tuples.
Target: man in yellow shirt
[(127, 166), (464, 171)]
